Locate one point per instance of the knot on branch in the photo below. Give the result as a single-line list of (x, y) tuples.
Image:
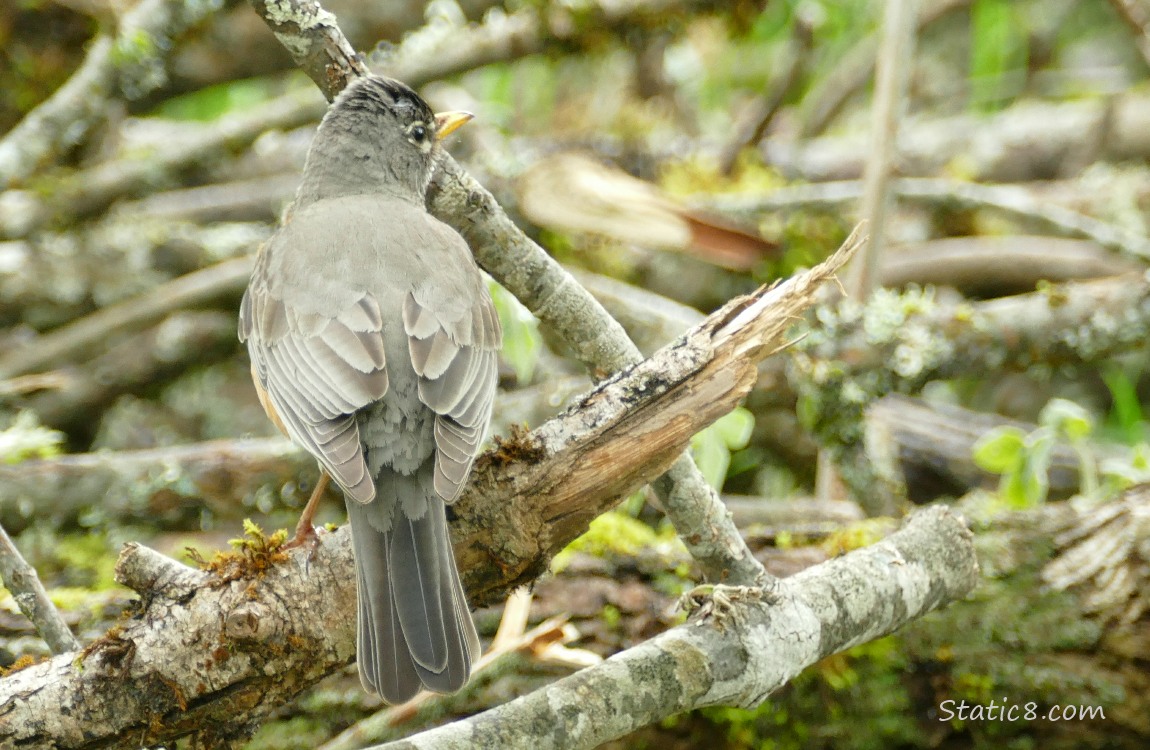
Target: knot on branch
[(252, 621)]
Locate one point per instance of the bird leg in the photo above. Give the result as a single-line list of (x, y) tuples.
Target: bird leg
[(305, 530)]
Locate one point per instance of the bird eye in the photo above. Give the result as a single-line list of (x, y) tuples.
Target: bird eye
[(419, 133)]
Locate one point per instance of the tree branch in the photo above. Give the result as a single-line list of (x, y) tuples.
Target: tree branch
[(739, 647), (220, 653), (21, 580), (130, 315), (1011, 199), (131, 61)]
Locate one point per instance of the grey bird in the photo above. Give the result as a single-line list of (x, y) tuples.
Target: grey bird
[(374, 345)]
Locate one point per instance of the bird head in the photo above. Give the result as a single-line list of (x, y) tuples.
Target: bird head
[(378, 136)]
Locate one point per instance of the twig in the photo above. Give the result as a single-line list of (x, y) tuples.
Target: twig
[(802, 38), (131, 61), (1011, 199), (219, 476), (20, 578), (542, 285), (93, 331), (766, 637), (896, 54), (41, 381), (895, 57)]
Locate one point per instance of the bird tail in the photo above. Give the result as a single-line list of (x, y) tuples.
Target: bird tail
[(415, 629)]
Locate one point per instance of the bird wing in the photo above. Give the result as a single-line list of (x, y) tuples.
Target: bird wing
[(454, 350), (317, 371)]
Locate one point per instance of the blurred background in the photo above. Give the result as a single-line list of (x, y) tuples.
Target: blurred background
[(673, 154)]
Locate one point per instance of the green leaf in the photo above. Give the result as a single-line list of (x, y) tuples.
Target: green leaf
[(1067, 418), (735, 428), (1000, 450), (711, 456), (521, 340), (998, 52), (1126, 410)]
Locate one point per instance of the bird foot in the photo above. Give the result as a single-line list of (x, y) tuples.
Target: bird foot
[(305, 536), (721, 603)]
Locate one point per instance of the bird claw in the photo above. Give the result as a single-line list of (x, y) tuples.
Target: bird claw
[(720, 603), (305, 536)]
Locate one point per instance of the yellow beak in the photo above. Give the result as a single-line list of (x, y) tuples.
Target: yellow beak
[(447, 123)]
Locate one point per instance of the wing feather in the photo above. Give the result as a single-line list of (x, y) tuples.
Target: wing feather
[(454, 351), (318, 371)]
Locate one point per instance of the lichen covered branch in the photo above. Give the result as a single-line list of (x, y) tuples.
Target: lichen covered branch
[(741, 645)]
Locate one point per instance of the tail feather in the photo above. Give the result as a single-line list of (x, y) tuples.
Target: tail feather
[(415, 629), (416, 583)]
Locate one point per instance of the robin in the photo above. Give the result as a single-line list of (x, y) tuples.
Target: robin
[(374, 345)]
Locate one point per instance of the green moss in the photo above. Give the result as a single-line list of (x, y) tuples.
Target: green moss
[(299, 732), (87, 561), (858, 535), (25, 439), (617, 534)]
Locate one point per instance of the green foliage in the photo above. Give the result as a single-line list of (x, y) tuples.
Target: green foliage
[(712, 448), (1125, 419), (1022, 460), (80, 561), (616, 533), (210, 103), (521, 339), (998, 52), (25, 438)]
